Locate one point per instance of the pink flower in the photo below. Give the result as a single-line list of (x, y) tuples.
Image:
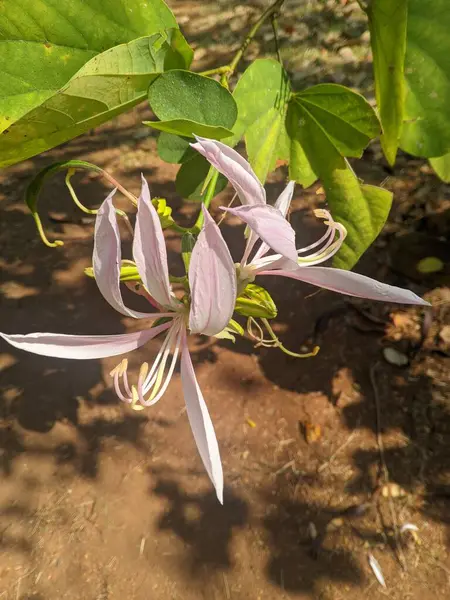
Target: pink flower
[(212, 281), (269, 224)]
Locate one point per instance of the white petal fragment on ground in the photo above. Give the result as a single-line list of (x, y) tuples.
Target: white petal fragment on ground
[(375, 566), (200, 422), (212, 279)]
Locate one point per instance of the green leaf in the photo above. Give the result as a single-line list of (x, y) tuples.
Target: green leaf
[(262, 94), (44, 43), (106, 86), (173, 148), (387, 24), (191, 177), (183, 95), (362, 209), (345, 117), (441, 165), (187, 128), (426, 128)]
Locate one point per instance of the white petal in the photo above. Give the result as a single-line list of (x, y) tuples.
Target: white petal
[(270, 225), (284, 199), (82, 346), (350, 283), (212, 279), (201, 423), (375, 566), (282, 204), (107, 256), (149, 250), (235, 168)]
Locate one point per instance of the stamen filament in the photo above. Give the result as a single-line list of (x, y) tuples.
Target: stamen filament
[(279, 345)]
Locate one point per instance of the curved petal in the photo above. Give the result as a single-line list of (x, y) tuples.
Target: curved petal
[(149, 250), (212, 279), (352, 284), (283, 202), (270, 225), (201, 423), (106, 258), (82, 346), (235, 168)]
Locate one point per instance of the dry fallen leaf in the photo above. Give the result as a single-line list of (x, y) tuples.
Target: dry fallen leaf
[(311, 432)]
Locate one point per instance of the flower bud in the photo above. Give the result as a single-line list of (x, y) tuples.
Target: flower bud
[(255, 301)]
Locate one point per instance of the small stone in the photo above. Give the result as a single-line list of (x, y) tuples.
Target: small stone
[(444, 334), (394, 357)]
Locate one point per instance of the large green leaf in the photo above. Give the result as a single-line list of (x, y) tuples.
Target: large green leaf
[(345, 117), (174, 149), (362, 209), (67, 66), (43, 43), (441, 165), (426, 128), (197, 105), (187, 128), (262, 94), (106, 86), (387, 24), (190, 179), (183, 95)]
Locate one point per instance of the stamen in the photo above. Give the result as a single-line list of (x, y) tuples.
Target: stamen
[(279, 345), (260, 339), (157, 396), (135, 399), (116, 373)]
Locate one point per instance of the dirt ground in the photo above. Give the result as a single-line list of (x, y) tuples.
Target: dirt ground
[(324, 459)]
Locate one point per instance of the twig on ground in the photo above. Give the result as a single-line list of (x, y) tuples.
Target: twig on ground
[(333, 456), (385, 472)]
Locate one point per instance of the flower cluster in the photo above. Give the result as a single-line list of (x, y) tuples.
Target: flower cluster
[(214, 285)]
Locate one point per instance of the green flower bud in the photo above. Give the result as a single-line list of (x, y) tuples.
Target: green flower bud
[(255, 301), (128, 271), (164, 212)]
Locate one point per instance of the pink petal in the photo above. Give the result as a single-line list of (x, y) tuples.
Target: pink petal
[(283, 202), (352, 284), (270, 225), (149, 250), (284, 199), (106, 258), (201, 423), (235, 168), (82, 346), (212, 279)]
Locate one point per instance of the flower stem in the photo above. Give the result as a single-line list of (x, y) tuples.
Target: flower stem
[(207, 201), (226, 71)]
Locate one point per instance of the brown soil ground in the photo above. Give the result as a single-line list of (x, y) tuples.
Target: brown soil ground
[(98, 502)]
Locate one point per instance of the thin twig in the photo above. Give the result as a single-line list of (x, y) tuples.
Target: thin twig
[(271, 10), (274, 21), (333, 456), (385, 471)]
